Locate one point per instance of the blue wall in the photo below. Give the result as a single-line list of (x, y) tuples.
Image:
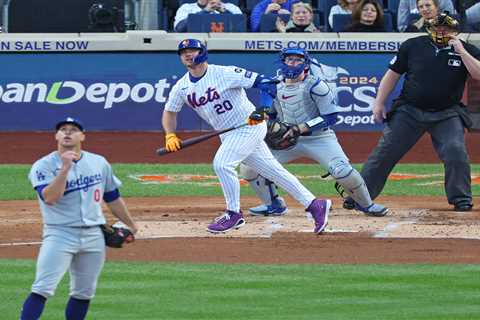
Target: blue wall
[(127, 91)]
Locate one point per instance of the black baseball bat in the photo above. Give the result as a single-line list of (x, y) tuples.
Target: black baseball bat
[(192, 141)]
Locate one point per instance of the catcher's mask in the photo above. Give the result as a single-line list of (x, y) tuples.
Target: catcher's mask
[(442, 27), (194, 44), (293, 71)]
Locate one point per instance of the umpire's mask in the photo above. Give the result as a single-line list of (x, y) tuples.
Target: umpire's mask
[(442, 27)]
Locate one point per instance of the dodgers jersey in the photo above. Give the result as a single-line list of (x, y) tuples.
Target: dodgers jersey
[(218, 97), (89, 180), (305, 100)]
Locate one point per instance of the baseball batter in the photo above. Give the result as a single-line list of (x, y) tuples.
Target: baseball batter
[(71, 184), (217, 94), (308, 105)]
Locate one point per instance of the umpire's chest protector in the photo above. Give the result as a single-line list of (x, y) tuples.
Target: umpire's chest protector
[(294, 103)]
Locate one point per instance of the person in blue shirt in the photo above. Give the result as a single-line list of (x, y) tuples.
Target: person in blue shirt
[(268, 6)]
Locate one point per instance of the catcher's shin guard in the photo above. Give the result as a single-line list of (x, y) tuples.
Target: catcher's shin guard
[(263, 188), (350, 180), (277, 208)]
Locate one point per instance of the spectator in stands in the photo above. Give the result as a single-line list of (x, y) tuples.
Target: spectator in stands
[(268, 6), (407, 7), (367, 17), (147, 15), (343, 7), (473, 15), (2, 3), (202, 7), (301, 19), (428, 9)]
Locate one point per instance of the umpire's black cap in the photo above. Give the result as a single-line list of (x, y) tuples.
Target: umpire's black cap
[(70, 120)]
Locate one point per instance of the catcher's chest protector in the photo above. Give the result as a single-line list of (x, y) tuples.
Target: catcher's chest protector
[(295, 103)]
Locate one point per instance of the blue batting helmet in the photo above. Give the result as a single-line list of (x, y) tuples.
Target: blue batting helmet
[(194, 44), (292, 72)]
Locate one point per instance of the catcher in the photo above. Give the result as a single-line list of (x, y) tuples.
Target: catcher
[(303, 111)]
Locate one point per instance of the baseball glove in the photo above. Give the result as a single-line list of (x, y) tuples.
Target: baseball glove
[(115, 237), (276, 138)]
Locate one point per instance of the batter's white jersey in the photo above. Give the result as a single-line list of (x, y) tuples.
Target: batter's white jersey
[(218, 97)]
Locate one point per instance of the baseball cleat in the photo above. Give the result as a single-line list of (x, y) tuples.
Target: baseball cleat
[(348, 203), (277, 208), (228, 221), (463, 207), (319, 209), (374, 210)]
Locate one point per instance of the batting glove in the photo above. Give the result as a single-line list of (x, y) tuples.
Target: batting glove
[(256, 117), (172, 142)]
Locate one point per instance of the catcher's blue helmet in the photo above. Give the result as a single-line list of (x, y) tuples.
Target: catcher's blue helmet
[(292, 72), (194, 44)]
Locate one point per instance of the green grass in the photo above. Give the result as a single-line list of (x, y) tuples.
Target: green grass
[(193, 291), (15, 185), (147, 291)]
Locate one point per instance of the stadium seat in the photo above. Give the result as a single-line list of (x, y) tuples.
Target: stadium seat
[(317, 21), (340, 21), (392, 5), (268, 21), (326, 6), (250, 4), (412, 17), (388, 19), (162, 19), (216, 23)]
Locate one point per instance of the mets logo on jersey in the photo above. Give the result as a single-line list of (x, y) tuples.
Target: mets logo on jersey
[(210, 95)]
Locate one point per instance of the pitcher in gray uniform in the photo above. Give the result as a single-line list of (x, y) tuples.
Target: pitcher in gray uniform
[(308, 104), (71, 184)]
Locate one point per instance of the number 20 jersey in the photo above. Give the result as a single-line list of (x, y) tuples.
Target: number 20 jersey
[(218, 97)]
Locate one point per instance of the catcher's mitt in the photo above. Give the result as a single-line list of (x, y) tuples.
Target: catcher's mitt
[(115, 237), (275, 136)]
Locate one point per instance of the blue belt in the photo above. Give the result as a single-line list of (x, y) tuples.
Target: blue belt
[(306, 134)]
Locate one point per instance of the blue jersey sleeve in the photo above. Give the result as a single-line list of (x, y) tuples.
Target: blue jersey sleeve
[(268, 89)]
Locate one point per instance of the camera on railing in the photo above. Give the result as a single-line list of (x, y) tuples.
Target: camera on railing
[(105, 18), (61, 16)]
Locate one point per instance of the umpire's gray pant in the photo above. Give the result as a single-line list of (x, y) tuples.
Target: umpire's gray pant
[(406, 126)]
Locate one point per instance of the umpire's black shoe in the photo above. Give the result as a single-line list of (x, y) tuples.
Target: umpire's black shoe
[(348, 203), (463, 206)]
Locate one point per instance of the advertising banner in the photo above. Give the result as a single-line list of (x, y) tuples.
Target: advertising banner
[(127, 91)]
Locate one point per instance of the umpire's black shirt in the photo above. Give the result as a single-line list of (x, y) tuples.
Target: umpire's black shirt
[(434, 77)]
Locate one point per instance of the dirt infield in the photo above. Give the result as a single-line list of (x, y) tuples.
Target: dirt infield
[(417, 230)]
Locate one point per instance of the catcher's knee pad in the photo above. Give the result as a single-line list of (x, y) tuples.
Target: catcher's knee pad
[(340, 168), (248, 173)]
